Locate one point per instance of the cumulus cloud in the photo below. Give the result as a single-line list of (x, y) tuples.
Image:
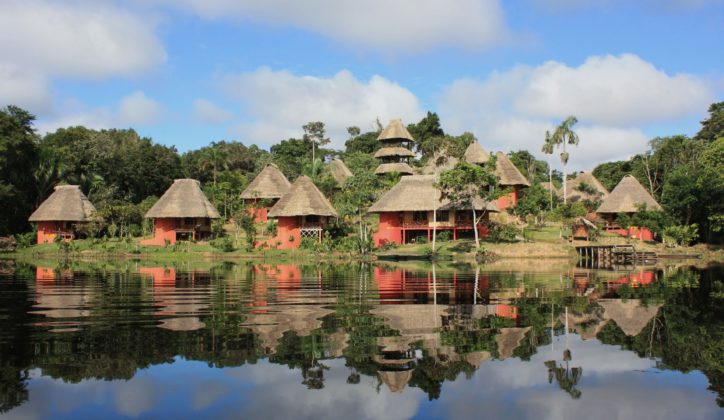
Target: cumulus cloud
[(401, 25), (614, 97), (208, 112), (279, 103), (138, 109), (43, 40), (135, 109)]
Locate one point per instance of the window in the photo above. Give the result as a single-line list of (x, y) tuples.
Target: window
[(419, 216), (311, 219), (443, 215)]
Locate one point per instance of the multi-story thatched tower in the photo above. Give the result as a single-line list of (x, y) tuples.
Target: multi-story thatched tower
[(395, 151)]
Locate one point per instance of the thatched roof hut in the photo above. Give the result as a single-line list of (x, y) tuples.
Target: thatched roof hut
[(396, 380), (269, 184), (548, 187), (627, 197), (574, 188), (631, 316), (183, 198), (303, 199), (475, 154), (439, 163), (340, 172), (66, 203), (508, 340), (507, 172), (394, 151), (395, 130), (418, 193), (399, 167)]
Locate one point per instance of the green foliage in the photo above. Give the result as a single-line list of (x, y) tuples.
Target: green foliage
[(26, 240), (18, 154), (224, 244), (568, 211), (444, 236), (425, 130), (533, 170), (681, 235), (656, 221), (712, 128), (611, 173), (533, 201), (500, 232), (365, 144)]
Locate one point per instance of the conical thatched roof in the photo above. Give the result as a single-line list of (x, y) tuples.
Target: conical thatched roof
[(508, 173), (418, 193), (303, 199), (441, 162), (67, 203), (629, 315), (476, 154), (395, 130), (340, 172), (394, 151), (574, 194), (400, 167), (627, 197), (183, 198), (508, 340), (548, 187), (395, 379), (270, 183)]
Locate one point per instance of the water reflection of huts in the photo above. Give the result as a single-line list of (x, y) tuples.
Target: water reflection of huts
[(179, 308)]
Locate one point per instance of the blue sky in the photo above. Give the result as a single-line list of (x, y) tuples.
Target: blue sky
[(188, 72)]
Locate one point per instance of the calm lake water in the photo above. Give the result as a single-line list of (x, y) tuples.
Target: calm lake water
[(252, 340)]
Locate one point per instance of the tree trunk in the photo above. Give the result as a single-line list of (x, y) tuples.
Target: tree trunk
[(475, 229), (550, 181), (434, 228), (565, 190)]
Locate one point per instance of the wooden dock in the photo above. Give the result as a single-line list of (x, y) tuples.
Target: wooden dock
[(603, 256)]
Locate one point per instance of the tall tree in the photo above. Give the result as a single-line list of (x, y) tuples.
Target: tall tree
[(315, 133), (466, 183), (562, 136), (18, 154), (548, 150), (712, 128)]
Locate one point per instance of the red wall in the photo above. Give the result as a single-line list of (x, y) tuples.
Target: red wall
[(508, 200), (163, 229), (641, 233), (46, 232), (388, 229), (287, 227), (260, 213)]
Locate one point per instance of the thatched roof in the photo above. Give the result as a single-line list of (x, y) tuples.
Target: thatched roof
[(508, 173), (418, 193), (476, 154), (303, 199), (439, 163), (508, 340), (394, 151), (574, 194), (395, 130), (629, 315), (183, 198), (477, 358), (387, 168), (67, 203), (340, 172), (578, 221), (395, 379), (270, 183), (548, 187), (627, 197), (188, 323)]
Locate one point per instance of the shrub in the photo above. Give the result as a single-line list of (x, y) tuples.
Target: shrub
[(309, 244), (681, 234), (25, 240), (444, 236), (224, 244), (503, 233)]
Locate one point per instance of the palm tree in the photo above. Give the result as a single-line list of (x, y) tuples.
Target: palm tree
[(48, 171), (548, 149), (213, 158), (563, 135)]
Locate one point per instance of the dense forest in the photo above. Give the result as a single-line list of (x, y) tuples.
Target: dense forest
[(123, 173)]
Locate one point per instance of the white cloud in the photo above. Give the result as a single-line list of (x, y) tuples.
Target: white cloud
[(611, 90), (401, 25), (138, 109), (279, 103), (208, 112), (44, 40), (135, 109), (614, 98)]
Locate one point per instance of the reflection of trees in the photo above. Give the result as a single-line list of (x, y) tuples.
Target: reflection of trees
[(566, 377)]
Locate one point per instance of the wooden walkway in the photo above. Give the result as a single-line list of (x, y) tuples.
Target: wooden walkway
[(596, 256)]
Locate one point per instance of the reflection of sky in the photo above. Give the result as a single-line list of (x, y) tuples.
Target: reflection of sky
[(615, 384)]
